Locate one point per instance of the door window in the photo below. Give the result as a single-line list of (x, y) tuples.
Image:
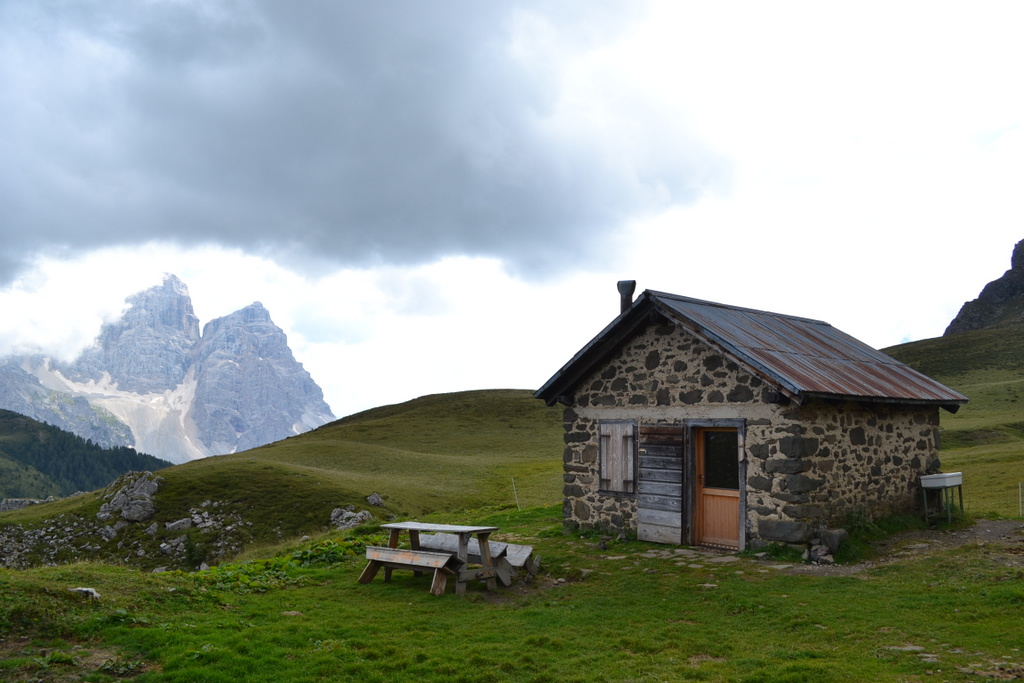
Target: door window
[(721, 462)]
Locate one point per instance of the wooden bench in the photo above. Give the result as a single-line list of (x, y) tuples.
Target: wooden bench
[(508, 558), (444, 564)]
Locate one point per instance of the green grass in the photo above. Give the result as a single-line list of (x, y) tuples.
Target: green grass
[(631, 612)]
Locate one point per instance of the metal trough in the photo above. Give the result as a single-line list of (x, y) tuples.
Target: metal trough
[(941, 481), (945, 482)]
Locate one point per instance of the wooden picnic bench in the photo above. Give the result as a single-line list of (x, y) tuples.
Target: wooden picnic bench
[(508, 558), (419, 560), (444, 564)]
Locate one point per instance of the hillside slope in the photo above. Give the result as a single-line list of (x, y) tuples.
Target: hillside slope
[(38, 460), (445, 452), (985, 438)]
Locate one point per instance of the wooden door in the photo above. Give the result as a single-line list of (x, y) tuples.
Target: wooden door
[(717, 499), (660, 492)]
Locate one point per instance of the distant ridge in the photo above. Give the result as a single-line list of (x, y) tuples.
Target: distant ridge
[(38, 460), (1001, 301)]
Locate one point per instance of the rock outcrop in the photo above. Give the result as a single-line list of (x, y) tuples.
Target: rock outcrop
[(249, 388), (131, 497), (135, 528), (1000, 301), (153, 382)]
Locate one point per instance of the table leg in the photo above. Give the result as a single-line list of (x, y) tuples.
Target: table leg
[(414, 543), (463, 555), (392, 543), (485, 559)]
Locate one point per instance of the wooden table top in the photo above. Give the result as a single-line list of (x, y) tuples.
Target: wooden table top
[(439, 528)]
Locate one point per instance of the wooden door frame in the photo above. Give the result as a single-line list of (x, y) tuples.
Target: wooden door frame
[(690, 466)]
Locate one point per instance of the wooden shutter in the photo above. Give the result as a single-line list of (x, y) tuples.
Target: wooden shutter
[(618, 456)]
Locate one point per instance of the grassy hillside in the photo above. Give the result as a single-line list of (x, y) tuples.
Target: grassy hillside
[(985, 438), (18, 480), (437, 453), (38, 460)]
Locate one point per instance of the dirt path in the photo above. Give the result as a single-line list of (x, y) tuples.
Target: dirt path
[(1004, 532)]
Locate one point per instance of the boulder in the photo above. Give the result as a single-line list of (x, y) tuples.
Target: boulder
[(131, 496), (833, 538), (347, 518)]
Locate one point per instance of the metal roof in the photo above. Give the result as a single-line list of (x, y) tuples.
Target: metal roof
[(803, 357)]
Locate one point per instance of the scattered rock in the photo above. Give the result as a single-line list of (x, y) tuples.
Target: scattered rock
[(86, 592), (179, 525), (17, 503), (833, 538), (347, 518), (375, 499)]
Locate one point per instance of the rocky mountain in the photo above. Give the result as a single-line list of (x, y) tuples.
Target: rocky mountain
[(153, 382), (1001, 301)]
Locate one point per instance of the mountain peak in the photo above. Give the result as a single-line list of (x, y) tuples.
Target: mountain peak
[(1001, 301), (1017, 260), (181, 394), (174, 284)]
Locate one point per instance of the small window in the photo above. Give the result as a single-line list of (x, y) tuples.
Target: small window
[(618, 457), (721, 460)]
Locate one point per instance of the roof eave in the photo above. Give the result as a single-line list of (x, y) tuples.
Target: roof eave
[(950, 404)]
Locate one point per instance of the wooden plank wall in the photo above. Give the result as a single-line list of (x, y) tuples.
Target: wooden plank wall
[(661, 494)]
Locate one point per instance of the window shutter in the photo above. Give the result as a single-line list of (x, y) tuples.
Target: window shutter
[(618, 456)]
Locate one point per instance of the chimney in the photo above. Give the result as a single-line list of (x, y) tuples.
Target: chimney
[(626, 289)]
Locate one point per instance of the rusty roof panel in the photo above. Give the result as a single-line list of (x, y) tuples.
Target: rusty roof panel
[(806, 356), (799, 355)]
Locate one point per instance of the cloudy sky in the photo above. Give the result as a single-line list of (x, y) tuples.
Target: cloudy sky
[(437, 196)]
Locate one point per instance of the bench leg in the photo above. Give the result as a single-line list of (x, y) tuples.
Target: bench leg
[(369, 572), (504, 570), (440, 582)]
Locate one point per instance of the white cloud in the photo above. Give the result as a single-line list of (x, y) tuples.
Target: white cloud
[(860, 164)]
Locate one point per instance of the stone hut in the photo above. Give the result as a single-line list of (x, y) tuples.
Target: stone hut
[(697, 423)]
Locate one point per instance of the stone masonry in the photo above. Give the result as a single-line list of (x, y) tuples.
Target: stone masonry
[(807, 466)]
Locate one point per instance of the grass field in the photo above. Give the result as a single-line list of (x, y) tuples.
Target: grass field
[(625, 611), (602, 610)]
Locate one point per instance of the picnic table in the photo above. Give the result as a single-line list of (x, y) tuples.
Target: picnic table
[(445, 563)]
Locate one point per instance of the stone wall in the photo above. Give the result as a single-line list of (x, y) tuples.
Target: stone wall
[(807, 466), (817, 464)]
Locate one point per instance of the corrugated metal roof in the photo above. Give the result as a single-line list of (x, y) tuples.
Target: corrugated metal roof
[(803, 356)]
